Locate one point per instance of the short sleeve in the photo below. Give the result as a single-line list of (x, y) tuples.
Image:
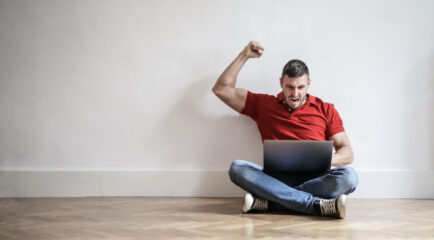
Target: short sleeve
[(251, 107), (334, 122)]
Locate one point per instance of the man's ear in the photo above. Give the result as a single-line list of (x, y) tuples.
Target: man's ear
[(281, 82)]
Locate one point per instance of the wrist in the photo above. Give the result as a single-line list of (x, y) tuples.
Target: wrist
[(243, 56)]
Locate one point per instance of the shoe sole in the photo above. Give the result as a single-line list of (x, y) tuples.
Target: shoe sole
[(246, 206), (342, 204)]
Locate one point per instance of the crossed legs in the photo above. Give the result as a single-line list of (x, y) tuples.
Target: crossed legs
[(292, 192)]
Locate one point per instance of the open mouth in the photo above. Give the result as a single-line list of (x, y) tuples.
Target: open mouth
[(294, 100)]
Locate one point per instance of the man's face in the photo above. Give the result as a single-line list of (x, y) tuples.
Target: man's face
[(295, 90)]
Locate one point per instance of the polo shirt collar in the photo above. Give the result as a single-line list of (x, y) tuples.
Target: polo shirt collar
[(310, 98)]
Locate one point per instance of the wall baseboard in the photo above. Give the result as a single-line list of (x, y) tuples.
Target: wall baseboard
[(372, 184)]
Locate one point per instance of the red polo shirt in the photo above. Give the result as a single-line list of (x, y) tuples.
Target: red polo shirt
[(314, 120)]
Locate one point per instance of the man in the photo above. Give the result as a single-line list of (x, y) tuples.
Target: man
[(293, 114)]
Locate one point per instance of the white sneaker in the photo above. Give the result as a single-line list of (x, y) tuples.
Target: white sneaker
[(251, 203), (334, 207)]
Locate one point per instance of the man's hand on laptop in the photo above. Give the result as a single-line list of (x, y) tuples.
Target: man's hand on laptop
[(253, 50)]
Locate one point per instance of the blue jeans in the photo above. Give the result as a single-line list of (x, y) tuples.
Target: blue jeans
[(291, 191)]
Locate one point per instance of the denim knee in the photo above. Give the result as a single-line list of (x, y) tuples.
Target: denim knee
[(235, 170), (350, 177), (341, 180), (241, 169)]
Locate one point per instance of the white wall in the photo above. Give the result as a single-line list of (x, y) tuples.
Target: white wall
[(122, 90)]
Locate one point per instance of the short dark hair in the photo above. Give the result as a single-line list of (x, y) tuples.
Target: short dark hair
[(295, 68)]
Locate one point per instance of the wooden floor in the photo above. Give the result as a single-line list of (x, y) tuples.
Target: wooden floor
[(205, 218)]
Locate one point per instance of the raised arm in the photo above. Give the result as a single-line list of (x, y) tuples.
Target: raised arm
[(225, 88)]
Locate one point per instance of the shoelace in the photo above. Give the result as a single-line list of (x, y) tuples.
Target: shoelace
[(260, 204), (328, 207)]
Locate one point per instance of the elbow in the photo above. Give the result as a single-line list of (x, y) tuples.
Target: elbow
[(214, 90), (217, 91)]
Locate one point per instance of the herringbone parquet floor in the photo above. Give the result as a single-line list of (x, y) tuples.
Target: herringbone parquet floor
[(205, 218)]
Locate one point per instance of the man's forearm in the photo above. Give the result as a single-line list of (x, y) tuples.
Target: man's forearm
[(343, 156), (229, 77)]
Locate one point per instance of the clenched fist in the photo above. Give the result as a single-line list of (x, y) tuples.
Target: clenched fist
[(253, 50)]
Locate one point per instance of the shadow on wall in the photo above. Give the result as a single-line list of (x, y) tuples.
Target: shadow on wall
[(431, 114), (418, 130), (420, 121), (190, 139)]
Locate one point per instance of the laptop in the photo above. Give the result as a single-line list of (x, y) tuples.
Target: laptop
[(297, 156)]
